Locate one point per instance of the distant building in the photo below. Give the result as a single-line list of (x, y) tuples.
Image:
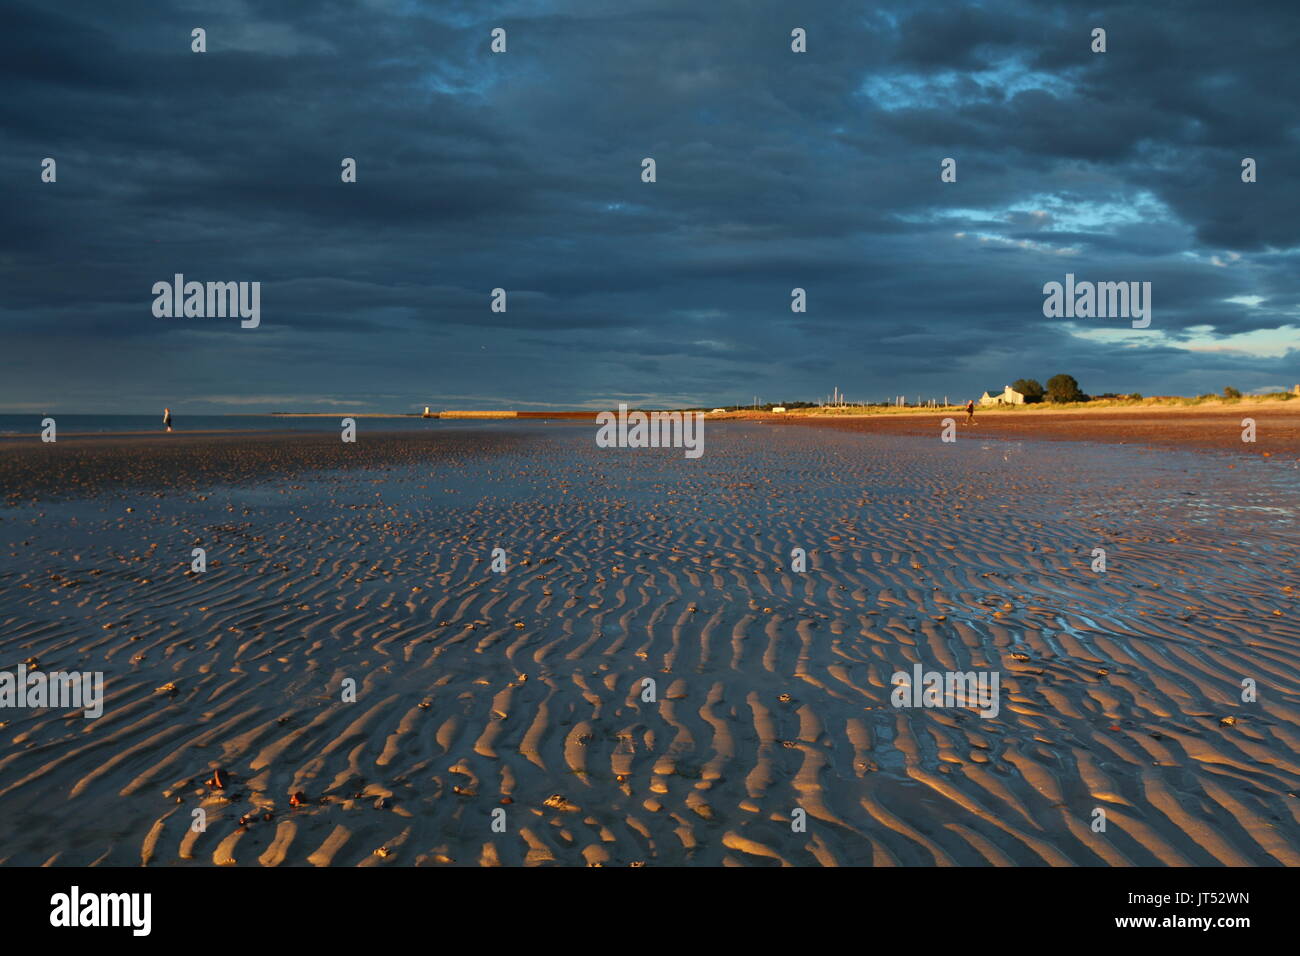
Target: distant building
[(1007, 396), (718, 411), (778, 409), (1295, 389)]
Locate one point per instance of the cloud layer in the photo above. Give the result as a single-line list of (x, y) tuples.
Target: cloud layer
[(522, 170)]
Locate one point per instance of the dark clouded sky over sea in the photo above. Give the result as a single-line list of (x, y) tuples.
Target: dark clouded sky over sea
[(523, 170)]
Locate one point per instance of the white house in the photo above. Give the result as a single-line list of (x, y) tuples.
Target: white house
[(1008, 396)]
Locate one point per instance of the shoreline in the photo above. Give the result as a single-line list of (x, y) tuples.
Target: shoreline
[(85, 464)]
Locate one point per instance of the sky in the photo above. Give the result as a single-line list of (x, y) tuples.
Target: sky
[(522, 170)]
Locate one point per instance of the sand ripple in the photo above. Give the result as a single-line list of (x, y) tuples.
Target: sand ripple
[(522, 692)]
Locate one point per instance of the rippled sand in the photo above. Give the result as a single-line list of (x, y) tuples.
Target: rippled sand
[(522, 692)]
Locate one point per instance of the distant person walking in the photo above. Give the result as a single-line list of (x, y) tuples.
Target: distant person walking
[(167, 418), (970, 411)]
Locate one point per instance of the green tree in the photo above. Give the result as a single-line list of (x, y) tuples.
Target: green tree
[(1029, 388), (1231, 392), (1064, 388)]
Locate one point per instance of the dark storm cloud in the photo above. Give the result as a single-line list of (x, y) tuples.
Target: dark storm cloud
[(522, 171)]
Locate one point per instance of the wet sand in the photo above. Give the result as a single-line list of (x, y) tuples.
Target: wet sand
[(78, 466), (522, 691)]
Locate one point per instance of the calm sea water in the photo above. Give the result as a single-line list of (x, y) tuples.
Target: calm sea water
[(20, 425)]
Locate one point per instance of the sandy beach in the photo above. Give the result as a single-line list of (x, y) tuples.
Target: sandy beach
[(523, 691), (1207, 427)]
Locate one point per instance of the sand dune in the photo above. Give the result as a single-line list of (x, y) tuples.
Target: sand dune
[(522, 691)]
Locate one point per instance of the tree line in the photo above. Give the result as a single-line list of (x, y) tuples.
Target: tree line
[(1060, 388)]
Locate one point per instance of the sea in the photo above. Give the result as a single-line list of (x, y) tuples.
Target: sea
[(18, 426)]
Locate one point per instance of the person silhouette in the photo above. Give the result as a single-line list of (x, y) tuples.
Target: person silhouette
[(167, 418), (970, 411)]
